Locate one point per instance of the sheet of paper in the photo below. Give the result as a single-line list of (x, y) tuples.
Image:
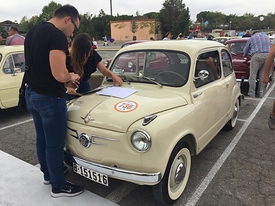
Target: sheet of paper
[(118, 92)]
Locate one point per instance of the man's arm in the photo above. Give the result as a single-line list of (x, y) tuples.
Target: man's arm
[(246, 48), (268, 63), (58, 67)]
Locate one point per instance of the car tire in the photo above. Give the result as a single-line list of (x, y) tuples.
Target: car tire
[(232, 122), (174, 181)]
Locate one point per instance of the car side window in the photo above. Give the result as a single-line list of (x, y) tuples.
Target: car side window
[(210, 62), (14, 61), (226, 63)]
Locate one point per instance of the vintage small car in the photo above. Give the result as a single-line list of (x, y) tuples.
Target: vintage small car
[(146, 131), (12, 65)]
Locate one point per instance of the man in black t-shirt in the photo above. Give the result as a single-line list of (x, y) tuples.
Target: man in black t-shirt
[(46, 47)]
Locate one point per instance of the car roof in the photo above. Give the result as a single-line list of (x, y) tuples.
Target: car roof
[(188, 46), (14, 48), (244, 39), (133, 42)]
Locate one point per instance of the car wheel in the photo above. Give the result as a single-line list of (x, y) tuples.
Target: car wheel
[(232, 122), (174, 181)]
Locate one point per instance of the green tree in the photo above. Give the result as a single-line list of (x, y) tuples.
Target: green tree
[(134, 27), (48, 11), (174, 17)]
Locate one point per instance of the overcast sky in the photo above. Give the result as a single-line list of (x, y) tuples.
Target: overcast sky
[(16, 9)]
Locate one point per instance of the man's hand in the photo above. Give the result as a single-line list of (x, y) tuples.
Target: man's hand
[(265, 79)]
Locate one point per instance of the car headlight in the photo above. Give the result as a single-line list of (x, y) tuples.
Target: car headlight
[(141, 141), (130, 64)]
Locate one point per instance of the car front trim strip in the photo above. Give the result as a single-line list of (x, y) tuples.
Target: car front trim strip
[(126, 175)]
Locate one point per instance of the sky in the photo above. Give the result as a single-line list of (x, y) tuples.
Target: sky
[(14, 10)]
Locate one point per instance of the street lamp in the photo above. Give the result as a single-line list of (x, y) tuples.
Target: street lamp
[(230, 25), (111, 8)]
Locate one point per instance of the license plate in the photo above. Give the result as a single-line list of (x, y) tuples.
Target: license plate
[(90, 174)]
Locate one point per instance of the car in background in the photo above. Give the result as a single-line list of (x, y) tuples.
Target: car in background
[(241, 64), (128, 43), (12, 68), (224, 39), (146, 130)]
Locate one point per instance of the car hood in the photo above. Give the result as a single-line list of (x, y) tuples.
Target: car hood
[(117, 114)]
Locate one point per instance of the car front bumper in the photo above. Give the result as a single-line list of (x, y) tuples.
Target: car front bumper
[(116, 173)]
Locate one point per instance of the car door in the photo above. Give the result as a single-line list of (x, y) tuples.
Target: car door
[(209, 97), (12, 70)]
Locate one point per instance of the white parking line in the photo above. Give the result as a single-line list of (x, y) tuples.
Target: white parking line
[(29, 120), (207, 180)]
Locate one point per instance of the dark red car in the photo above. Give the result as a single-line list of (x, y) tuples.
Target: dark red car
[(128, 43), (240, 63)]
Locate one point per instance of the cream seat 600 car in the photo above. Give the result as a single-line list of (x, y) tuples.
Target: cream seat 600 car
[(12, 66), (176, 97)]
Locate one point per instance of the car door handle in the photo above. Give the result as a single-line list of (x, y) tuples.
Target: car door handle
[(226, 86), (196, 95)]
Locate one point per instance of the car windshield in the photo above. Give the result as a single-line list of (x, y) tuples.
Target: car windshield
[(169, 68), (236, 47)]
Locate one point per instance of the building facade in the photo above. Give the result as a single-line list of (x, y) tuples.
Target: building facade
[(127, 30)]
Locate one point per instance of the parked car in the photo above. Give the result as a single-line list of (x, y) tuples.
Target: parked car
[(128, 43), (224, 39), (241, 64), (12, 64), (146, 131)]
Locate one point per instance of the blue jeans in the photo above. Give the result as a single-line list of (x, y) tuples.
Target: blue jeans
[(50, 119), (82, 88)]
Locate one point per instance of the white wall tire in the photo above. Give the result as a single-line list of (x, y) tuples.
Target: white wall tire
[(176, 176), (233, 121)]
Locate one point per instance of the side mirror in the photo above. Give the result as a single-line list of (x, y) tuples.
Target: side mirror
[(202, 75)]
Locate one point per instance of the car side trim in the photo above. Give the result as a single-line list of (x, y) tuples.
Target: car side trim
[(126, 175)]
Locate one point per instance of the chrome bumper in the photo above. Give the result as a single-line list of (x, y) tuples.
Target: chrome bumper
[(116, 173)]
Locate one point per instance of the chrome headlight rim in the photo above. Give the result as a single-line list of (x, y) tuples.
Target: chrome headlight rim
[(130, 65), (146, 137)]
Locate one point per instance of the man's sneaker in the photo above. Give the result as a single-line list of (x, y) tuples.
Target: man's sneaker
[(69, 190), (46, 182), (271, 122), (66, 169)]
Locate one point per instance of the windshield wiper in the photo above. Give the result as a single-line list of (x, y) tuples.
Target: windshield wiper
[(149, 79)]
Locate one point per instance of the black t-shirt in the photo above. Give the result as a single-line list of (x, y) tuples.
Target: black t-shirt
[(89, 67), (40, 40)]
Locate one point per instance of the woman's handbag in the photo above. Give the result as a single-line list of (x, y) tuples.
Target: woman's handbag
[(21, 100)]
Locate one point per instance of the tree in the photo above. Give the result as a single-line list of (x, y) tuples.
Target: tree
[(48, 11), (174, 17), (134, 27)]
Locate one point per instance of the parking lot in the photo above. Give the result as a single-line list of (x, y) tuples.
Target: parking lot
[(236, 168)]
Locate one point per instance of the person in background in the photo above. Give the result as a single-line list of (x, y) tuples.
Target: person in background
[(180, 36), (199, 35), (83, 60), (209, 36), (1, 38), (105, 41), (168, 35), (257, 46), (247, 34), (45, 49), (95, 45), (14, 38), (268, 66), (152, 38)]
